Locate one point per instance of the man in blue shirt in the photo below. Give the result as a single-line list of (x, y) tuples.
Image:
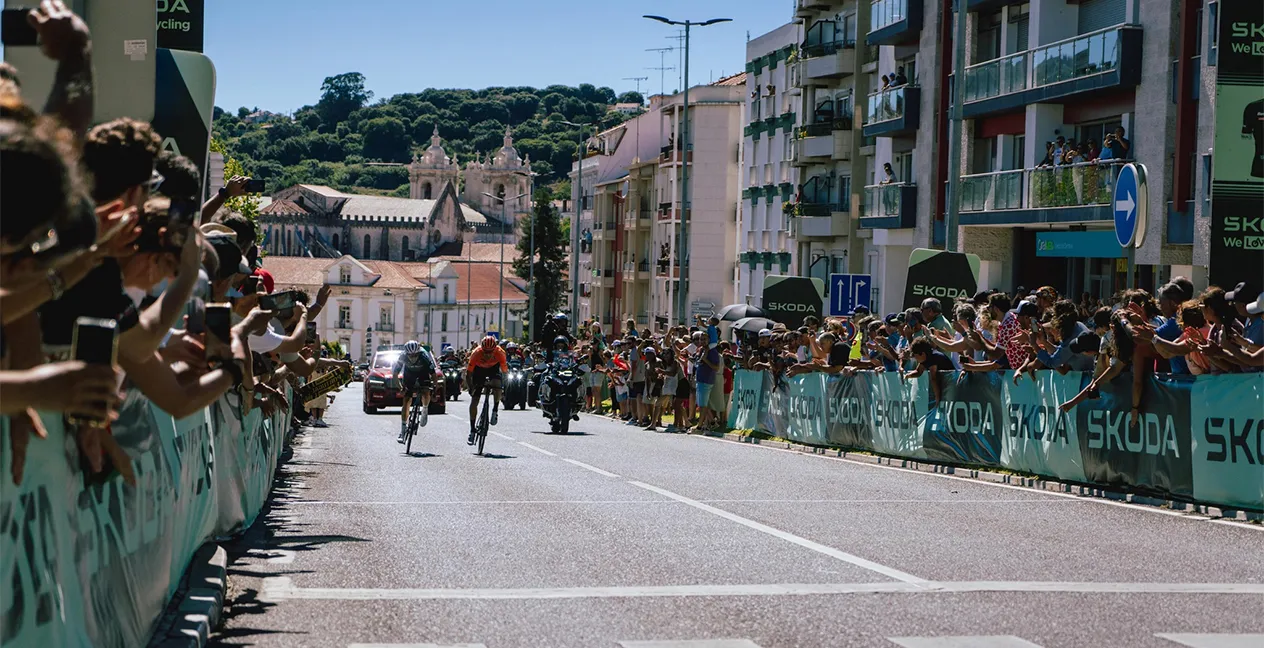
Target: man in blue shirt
[(1171, 296)]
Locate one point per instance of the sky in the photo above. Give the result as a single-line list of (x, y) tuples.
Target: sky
[(274, 54)]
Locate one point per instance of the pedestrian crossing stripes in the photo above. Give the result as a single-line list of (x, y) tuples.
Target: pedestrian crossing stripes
[(1212, 640)]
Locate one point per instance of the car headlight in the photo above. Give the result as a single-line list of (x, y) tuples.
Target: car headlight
[(376, 381)]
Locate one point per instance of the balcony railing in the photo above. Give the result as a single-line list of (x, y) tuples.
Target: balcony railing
[(883, 200), (1075, 58), (885, 105), (884, 13), (385, 327), (1089, 184), (345, 324)]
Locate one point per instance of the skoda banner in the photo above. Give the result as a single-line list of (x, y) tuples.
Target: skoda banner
[(184, 103), (1237, 209), (943, 275), (986, 419), (180, 24), (790, 299)]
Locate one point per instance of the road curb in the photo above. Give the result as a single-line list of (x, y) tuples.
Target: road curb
[(1035, 483), (197, 606)]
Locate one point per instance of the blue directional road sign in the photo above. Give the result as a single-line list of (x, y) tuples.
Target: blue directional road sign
[(847, 291), (1130, 205)]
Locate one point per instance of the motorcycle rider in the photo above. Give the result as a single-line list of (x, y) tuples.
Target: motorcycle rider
[(487, 363), (415, 370), (559, 326), (562, 358)]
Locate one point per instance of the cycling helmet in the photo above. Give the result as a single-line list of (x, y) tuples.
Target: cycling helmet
[(561, 339), (412, 348), (488, 343)]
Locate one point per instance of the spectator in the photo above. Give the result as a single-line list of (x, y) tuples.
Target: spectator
[(707, 372), (900, 78), (888, 174), (931, 362)]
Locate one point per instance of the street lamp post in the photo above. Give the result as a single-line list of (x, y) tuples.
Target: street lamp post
[(579, 213), (504, 217), (683, 251)]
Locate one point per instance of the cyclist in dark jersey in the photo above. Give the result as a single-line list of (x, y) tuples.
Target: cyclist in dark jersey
[(415, 370)]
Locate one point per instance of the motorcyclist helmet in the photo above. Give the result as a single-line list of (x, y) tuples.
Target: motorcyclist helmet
[(511, 346), (561, 317), (561, 342), (488, 343), (412, 348)]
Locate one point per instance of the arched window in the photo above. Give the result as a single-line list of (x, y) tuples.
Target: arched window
[(500, 191), (368, 250), (337, 248), (445, 293), (405, 249), (426, 191), (287, 242)]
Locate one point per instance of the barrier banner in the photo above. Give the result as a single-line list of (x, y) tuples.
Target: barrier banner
[(1153, 452), (1228, 444), (1040, 438), (965, 426), (748, 391), (87, 560), (987, 419)]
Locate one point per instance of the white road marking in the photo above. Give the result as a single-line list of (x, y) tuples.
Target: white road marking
[(585, 466), (993, 641), (1215, 640), (537, 449), (503, 436), (415, 645), (983, 482), (787, 536), (691, 643), (659, 501), (282, 587)]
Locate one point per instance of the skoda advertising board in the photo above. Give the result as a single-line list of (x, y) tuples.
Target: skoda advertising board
[(790, 299), (942, 275), (1237, 210)]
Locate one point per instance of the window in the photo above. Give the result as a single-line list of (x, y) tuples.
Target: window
[(426, 191), (462, 322), (337, 248), (385, 318), (368, 254), (287, 242), (404, 248), (988, 45), (1020, 18), (1207, 182), (443, 322), (425, 321), (344, 316), (1213, 32), (445, 293), (344, 274), (1018, 153)]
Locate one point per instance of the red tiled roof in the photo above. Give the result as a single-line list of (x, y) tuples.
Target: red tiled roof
[(456, 251), (482, 280), (294, 270), (735, 80), (284, 207), (479, 279), (393, 276)]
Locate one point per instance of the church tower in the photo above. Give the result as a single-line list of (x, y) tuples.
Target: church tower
[(504, 174), (429, 172)]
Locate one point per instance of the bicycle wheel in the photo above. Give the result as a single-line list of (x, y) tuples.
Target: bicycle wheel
[(482, 423), (411, 430)]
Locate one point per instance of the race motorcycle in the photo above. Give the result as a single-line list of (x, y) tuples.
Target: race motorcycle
[(515, 391), (451, 370), (563, 385), (534, 383)]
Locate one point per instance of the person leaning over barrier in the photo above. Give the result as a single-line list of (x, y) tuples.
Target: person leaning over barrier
[(837, 356), (931, 362)]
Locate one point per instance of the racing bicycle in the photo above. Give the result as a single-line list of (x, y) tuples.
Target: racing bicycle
[(414, 418), (484, 417)]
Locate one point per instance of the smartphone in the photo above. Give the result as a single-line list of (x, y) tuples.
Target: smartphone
[(196, 322), (15, 29), (254, 186), (94, 341), (312, 335), (219, 321), (267, 302), (281, 301)]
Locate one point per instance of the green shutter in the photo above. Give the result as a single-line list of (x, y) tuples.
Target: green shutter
[(787, 190), (768, 259), (784, 260)]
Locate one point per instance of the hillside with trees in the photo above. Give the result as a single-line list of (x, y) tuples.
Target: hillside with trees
[(337, 141)]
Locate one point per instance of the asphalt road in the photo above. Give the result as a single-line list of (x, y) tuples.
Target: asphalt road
[(614, 536)]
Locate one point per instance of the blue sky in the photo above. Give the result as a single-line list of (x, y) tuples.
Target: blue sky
[(274, 54)]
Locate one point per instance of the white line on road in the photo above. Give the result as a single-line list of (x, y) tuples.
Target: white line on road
[(787, 536), (604, 473), (282, 587), (660, 502), (537, 449), (994, 641), (416, 645), (982, 482), (656, 502), (691, 643), (503, 436), (1215, 640)]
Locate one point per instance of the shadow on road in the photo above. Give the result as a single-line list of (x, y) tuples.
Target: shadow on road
[(568, 434), (422, 455), (488, 455)]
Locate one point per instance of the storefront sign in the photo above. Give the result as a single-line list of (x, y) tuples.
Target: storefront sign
[(1080, 245), (1237, 209), (942, 275)]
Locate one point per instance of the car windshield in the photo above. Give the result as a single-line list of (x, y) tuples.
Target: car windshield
[(385, 360)]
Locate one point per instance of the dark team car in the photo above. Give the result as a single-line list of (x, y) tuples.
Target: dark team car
[(381, 389)]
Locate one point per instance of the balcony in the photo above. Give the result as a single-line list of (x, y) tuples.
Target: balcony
[(669, 212), (826, 52), (806, 8), (894, 22), (604, 278), (671, 154), (345, 324), (1064, 194), (990, 5), (634, 271), (889, 206), (819, 220), (1105, 59), (385, 327), (893, 112), (662, 269)]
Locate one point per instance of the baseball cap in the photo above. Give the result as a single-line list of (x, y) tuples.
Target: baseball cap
[(265, 277), (892, 318), (1087, 341), (862, 309), (1240, 294), (230, 261), (1027, 309), (1256, 307), (765, 332)]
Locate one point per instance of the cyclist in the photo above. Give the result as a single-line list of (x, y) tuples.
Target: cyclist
[(486, 364), (415, 370)]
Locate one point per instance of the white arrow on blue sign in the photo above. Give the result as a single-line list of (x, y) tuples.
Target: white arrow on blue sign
[(1129, 204), (847, 291)]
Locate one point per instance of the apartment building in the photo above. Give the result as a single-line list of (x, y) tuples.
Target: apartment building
[(1058, 74), (630, 261)]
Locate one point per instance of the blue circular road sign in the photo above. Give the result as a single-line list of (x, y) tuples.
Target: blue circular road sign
[(1129, 204)]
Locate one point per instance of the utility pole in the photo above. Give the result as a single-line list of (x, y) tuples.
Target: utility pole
[(662, 66), (504, 217), (685, 213), (682, 39), (954, 138), (579, 214), (638, 82)]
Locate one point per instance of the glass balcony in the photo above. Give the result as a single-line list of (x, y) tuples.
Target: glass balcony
[(1107, 58), (889, 206), (893, 111), (1068, 193), (885, 13), (894, 22)]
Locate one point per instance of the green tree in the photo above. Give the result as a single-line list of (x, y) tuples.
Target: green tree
[(384, 140), (550, 264), (632, 96), (247, 205), (340, 95)]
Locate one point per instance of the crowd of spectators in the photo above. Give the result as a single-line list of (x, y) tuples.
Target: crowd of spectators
[(99, 223), (1064, 152)]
